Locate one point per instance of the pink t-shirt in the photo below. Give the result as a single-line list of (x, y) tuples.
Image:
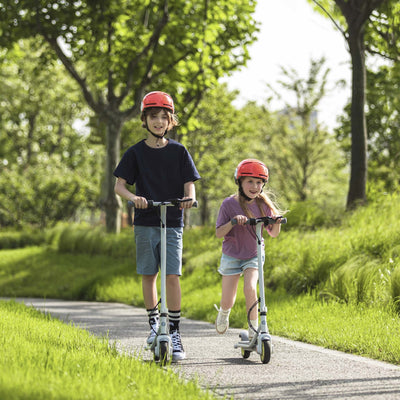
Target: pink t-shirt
[(240, 242)]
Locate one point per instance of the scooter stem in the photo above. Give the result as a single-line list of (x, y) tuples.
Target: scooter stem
[(263, 308), (163, 256)]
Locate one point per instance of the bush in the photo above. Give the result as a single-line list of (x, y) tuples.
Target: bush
[(18, 239)]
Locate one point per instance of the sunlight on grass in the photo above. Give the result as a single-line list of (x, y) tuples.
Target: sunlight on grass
[(42, 358), (351, 328)]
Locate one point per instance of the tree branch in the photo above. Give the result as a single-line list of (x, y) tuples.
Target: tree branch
[(331, 18), (151, 45)]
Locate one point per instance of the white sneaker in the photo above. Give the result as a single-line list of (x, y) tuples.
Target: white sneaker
[(153, 331), (222, 321), (178, 353)]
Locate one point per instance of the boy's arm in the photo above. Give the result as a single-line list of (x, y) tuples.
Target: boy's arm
[(190, 192), (121, 189)]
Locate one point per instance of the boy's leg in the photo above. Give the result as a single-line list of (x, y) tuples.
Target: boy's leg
[(174, 271), (174, 316), (149, 289)]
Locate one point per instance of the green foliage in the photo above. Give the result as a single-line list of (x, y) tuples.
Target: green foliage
[(359, 280), (78, 239), (305, 161), (18, 239), (332, 325), (43, 358), (43, 272), (310, 214), (42, 195), (48, 172)]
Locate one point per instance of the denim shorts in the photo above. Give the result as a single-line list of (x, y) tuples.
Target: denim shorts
[(148, 248), (234, 266)]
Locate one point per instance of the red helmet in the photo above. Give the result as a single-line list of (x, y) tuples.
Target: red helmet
[(157, 99), (251, 167)]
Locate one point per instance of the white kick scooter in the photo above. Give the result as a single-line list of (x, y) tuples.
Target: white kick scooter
[(261, 341), (162, 344)]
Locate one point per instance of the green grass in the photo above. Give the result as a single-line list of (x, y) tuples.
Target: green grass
[(337, 287), (352, 328), (43, 358), (44, 272)]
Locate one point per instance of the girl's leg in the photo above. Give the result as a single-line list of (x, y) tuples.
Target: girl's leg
[(229, 289), (250, 290)]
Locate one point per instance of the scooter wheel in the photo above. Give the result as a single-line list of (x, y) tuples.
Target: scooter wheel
[(245, 353), (266, 348), (163, 353)]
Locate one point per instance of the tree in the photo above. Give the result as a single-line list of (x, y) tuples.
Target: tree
[(48, 170), (305, 158), (383, 122), (117, 50), (360, 21), (38, 107), (214, 144)]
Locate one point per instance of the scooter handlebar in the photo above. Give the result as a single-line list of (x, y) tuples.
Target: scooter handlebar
[(173, 202), (266, 220)]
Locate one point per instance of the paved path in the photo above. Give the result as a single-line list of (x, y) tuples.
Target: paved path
[(296, 370)]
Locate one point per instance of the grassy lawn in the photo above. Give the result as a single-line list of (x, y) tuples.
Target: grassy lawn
[(43, 358)]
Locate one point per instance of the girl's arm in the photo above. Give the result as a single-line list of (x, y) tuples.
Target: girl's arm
[(275, 229), (222, 230)]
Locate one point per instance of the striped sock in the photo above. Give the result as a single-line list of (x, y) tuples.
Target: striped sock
[(153, 315), (174, 319)]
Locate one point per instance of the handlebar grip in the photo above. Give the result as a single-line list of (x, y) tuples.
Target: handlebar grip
[(195, 204), (283, 220), (149, 203), (233, 221)]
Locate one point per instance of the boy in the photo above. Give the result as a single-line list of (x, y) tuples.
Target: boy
[(161, 169)]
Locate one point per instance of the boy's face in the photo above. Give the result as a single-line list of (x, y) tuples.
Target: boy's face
[(157, 121)]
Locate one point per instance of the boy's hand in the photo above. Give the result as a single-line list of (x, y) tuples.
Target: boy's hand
[(140, 202), (186, 204)]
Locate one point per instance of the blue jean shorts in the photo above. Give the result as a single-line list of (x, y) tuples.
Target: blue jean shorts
[(233, 266), (148, 249)]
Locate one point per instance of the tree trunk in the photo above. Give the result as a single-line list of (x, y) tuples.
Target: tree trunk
[(358, 174), (110, 201)]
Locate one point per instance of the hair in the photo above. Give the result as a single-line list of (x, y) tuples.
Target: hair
[(172, 118), (262, 198)]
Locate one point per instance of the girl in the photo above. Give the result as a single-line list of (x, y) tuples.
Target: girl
[(239, 247)]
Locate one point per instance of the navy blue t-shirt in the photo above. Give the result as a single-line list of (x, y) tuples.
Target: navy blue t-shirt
[(159, 175)]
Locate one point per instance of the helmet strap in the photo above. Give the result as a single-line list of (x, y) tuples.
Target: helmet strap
[(157, 136), (242, 193)]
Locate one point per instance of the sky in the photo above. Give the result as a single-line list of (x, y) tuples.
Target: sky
[(291, 34)]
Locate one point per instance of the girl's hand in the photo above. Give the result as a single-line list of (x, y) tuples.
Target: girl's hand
[(240, 219)]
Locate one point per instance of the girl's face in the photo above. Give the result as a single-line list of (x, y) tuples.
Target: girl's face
[(252, 187), (158, 121)]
